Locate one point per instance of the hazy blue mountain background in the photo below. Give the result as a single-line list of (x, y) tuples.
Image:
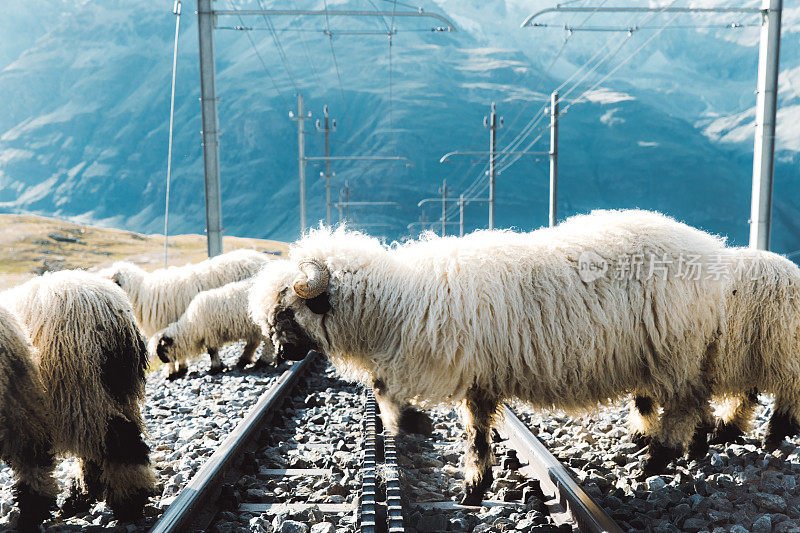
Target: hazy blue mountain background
[(85, 99)]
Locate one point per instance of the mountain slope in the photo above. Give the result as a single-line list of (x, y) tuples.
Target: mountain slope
[(85, 136)]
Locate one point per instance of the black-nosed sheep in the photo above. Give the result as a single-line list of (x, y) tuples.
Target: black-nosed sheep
[(213, 319), (497, 315), (25, 429), (160, 297), (92, 359)]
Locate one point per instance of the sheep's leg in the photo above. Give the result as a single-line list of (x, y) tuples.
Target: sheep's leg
[(247, 354), (36, 488), (127, 475), (642, 418), (177, 369), (698, 447), (784, 421), (399, 416), (85, 491), (216, 363), (683, 413), (478, 414), (736, 418), (267, 357)]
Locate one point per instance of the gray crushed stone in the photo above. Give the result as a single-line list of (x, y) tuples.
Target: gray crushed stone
[(186, 420), (736, 488)]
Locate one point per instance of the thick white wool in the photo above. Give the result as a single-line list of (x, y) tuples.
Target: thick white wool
[(508, 312), (763, 331), (75, 320), (160, 298), (213, 319)]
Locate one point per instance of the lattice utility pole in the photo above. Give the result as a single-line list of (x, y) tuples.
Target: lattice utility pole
[(328, 126)]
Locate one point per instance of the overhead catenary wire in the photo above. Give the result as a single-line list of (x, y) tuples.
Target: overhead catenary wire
[(177, 11), (264, 66), (335, 62), (279, 48)]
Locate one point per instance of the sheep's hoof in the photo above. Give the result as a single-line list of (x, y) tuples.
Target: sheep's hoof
[(260, 364), (658, 457), (639, 438), (131, 507), (472, 499), (242, 363), (724, 433), (77, 502), (781, 425), (413, 421), (34, 507), (699, 446), (214, 370)]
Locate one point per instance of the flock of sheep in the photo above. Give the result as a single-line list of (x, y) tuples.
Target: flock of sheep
[(473, 321)]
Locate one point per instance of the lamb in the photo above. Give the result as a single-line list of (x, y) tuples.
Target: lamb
[(92, 359), (160, 297), (498, 315), (762, 346), (213, 319), (25, 427)]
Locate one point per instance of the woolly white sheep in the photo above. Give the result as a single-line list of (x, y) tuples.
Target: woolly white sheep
[(92, 359), (498, 315), (213, 319), (160, 297), (761, 350), (25, 427)]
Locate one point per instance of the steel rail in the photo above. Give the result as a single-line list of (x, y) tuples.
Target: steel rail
[(203, 487), (369, 468), (554, 477)]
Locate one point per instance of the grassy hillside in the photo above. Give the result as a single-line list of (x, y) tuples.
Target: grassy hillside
[(30, 245)]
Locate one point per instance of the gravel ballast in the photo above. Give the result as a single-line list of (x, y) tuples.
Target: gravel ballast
[(186, 420), (737, 487)]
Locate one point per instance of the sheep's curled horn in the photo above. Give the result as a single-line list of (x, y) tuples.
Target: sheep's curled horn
[(313, 279)]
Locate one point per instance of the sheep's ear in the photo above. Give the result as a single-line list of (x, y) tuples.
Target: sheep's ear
[(319, 304)]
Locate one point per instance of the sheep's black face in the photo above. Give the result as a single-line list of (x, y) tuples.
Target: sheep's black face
[(291, 342), (162, 349)]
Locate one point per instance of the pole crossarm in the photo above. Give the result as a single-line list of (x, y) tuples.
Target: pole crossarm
[(430, 223), (448, 155), (528, 22), (335, 13), (465, 200), (361, 158), (367, 204)]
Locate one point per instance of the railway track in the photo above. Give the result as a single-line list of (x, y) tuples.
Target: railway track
[(257, 481)]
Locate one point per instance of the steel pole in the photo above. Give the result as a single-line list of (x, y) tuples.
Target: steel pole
[(553, 213), (301, 157), (327, 168), (491, 124), (444, 208), (461, 215), (326, 129), (208, 99), (766, 108)]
